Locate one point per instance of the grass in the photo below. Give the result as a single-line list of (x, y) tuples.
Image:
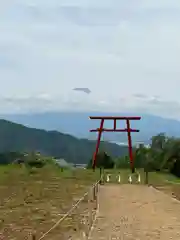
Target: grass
[(32, 200), (165, 182)]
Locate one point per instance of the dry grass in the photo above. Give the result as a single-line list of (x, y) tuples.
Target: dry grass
[(167, 183), (33, 200)]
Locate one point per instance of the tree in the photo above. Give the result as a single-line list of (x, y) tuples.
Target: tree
[(34, 159), (122, 162), (163, 155), (10, 157), (176, 168), (103, 160)]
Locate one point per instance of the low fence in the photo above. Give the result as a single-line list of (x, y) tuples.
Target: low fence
[(84, 215), (118, 178)]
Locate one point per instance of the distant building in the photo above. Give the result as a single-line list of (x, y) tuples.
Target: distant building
[(138, 145), (80, 165), (62, 163)]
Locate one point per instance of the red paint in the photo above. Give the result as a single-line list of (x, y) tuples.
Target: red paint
[(98, 142), (100, 130), (129, 143)]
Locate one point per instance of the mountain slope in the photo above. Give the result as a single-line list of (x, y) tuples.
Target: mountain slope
[(78, 124), (16, 137)]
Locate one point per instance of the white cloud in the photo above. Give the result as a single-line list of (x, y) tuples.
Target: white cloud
[(124, 51)]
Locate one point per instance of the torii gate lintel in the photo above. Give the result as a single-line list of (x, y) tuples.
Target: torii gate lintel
[(100, 130)]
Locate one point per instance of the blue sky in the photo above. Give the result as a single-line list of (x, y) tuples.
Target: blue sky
[(129, 47)]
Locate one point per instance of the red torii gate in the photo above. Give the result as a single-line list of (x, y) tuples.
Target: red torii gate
[(101, 129)]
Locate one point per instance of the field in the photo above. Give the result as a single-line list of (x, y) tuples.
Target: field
[(33, 200)]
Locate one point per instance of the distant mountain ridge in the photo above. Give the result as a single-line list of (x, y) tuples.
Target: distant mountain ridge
[(18, 138), (78, 124)]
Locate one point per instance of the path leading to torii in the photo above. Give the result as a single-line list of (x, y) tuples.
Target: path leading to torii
[(136, 212)]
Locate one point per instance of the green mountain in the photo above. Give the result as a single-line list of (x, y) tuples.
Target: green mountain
[(16, 137), (78, 124)]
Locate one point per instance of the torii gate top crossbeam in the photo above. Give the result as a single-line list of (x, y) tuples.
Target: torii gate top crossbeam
[(114, 118)]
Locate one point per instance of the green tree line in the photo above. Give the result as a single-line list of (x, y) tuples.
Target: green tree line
[(163, 154)]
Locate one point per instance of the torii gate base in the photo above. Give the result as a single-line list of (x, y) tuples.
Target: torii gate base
[(128, 130)]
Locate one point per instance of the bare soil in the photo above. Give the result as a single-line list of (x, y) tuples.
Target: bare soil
[(136, 212)]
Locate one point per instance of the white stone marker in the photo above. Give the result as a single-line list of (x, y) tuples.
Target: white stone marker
[(119, 178), (139, 178), (130, 179), (108, 178)]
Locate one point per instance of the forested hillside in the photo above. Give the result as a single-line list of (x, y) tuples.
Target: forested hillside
[(18, 138), (149, 125)]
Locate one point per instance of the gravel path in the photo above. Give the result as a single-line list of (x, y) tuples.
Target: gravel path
[(136, 212)]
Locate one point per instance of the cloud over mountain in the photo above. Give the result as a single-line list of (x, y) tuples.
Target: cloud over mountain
[(126, 52)]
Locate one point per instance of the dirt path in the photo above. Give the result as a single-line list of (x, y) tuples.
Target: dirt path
[(132, 212)]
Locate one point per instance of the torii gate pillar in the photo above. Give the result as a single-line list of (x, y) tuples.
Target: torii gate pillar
[(114, 129)]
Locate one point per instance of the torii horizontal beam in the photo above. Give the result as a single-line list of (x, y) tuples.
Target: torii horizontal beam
[(114, 118), (114, 130)]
